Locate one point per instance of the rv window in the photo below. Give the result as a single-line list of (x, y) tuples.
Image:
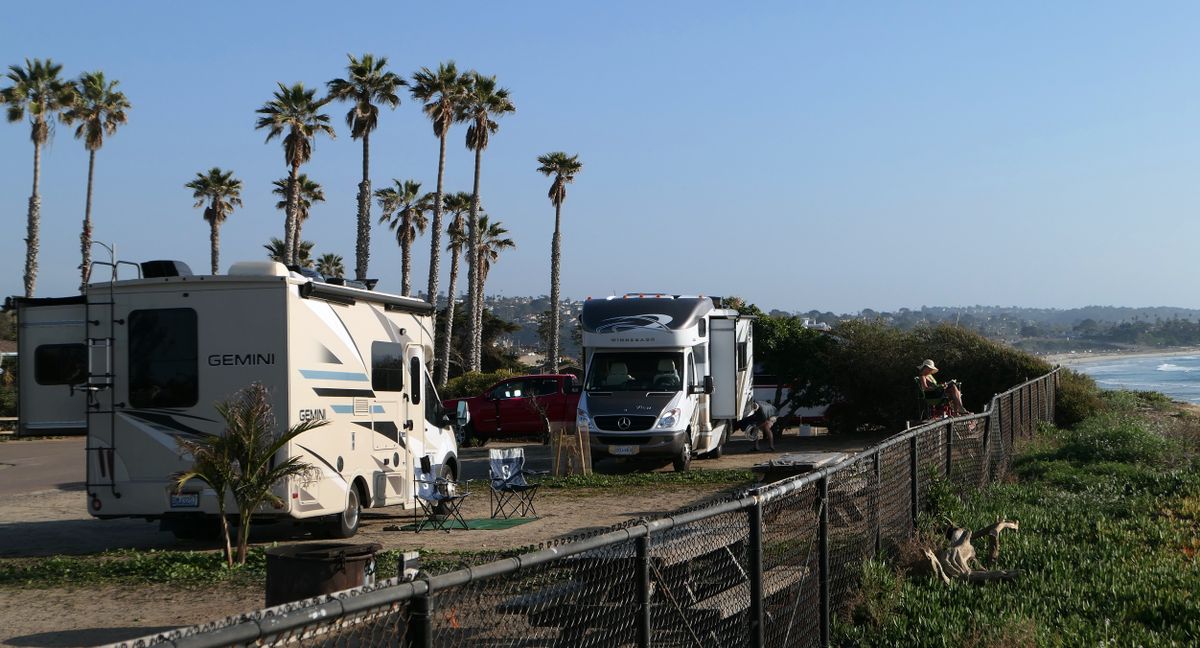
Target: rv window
[(702, 329), (414, 369), (743, 355), (635, 371), (60, 364), (162, 358), (433, 406), (387, 366)]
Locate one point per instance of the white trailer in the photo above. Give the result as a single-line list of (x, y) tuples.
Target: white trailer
[(141, 362), (665, 376)]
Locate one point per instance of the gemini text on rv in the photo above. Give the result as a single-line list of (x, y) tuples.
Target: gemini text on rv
[(240, 359)]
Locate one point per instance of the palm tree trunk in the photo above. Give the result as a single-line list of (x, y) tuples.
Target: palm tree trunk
[(85, 237), (435, 249), (443, 368), (31, 228), (214, 239), (289, 233), (225, 529), (243, 536), (475, 317), (405, 259), (362, 248), (555, 262), (296, 238)]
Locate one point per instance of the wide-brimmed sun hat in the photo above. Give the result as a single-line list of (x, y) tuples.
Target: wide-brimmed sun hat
[(928, 364)]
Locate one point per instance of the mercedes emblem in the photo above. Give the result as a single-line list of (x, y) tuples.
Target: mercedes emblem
[(624, 423)]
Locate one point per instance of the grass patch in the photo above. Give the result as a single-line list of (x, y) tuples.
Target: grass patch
[(1108, 545), (606, 484)]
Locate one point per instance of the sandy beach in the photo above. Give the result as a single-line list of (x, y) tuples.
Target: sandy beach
[(1072, 359)]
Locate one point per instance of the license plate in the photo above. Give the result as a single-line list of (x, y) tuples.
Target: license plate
[(622, 451), (185, 500)]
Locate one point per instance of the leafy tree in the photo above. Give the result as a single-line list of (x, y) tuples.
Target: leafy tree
[(494, 356), (457, 204), (563, 168), (366, 84), (405, 201), (442, 90), (330, 265), (275, 252), (36, 90), (483, 102), (310, 192), (298, 112), (221, 192), (99, 109)]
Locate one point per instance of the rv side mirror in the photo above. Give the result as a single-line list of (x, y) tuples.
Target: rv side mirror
[(462, 415), (708, 385)]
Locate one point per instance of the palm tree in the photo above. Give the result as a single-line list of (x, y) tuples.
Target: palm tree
[(483, 101), (491, 242), (298, 112), (310, 192), (457, 204), (405, 201), (442, 91), (276, 248), (36, 89), (367, 82), (99, 109), (563, 167), (330, 265), (222, 192)]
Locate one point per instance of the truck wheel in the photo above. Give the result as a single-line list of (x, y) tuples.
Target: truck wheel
[(684, 460), (345, 524)]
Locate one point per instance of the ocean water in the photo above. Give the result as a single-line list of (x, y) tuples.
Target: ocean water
[(1177, 376)]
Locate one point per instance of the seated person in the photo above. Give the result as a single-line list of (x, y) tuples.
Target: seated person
[(932, 390), (666, 378), (758, 423)]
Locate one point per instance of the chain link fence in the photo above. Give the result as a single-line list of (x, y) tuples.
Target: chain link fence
[(770, 567)]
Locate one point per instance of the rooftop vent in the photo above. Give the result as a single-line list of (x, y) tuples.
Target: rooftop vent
[(156, 269), (258, 269)]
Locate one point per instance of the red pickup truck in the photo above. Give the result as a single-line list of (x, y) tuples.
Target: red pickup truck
[(509, 408)]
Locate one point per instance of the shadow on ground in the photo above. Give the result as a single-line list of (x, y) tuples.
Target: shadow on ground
[(83, 637)]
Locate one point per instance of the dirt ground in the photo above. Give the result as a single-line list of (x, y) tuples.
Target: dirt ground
[(55, 522)]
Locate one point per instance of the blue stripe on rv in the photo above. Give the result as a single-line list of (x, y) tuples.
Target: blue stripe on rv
[(317, 374), (349, 409)]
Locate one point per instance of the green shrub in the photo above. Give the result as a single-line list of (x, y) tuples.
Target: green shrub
[(1077, 398), (878, 594), (473, 383), (1113, 436)]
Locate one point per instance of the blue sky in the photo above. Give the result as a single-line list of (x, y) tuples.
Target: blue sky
[(803, 155)]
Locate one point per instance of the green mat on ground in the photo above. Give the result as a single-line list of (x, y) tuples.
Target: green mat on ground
[(484, 524)]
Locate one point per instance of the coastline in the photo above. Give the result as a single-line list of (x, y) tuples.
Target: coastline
[(1074, 359)]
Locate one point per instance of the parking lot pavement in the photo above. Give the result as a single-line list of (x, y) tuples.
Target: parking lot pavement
[(28, 466)]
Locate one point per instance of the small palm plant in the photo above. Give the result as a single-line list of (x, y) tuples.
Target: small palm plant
[(214, 463), (251, 422), (241, 461)]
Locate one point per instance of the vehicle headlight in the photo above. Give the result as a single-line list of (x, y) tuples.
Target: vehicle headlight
[(582, 419), (668, 419)]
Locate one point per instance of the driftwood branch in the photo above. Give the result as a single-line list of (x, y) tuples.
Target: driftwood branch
[(959, 560)]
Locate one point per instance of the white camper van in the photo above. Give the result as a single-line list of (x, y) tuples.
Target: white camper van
[(665, 376), (139, 362)]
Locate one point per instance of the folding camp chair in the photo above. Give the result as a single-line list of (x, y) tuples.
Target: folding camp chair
[(440, 499), (931, 408), (511, 494)]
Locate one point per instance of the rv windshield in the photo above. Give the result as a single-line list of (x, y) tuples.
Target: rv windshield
[(631, 371)]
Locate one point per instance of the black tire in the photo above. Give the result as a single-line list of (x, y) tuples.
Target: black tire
[(683, 461), (345, 524)]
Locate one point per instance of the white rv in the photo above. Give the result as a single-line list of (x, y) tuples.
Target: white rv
[(665, 376), (139, 362)]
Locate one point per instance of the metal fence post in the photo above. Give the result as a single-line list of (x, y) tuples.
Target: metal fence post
[(1012, 418), (949, 447), (756, 574), (420, 623), (875, 508), (823, 540), (643, 567), (912, 473)]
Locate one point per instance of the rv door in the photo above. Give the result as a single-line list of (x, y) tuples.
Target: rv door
[(723, 364), (53, 356)]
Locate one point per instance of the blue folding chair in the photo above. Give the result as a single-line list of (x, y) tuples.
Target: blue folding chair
[(439, 498), (511, 493)]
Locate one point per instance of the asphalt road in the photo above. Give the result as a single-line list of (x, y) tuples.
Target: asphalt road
[(42, 464)]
